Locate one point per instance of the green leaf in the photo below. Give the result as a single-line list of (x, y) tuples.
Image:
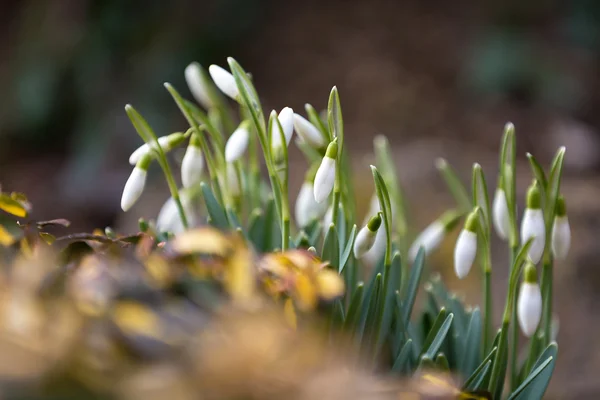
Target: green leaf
[(315, 119), (479, 379), (458, 190), (215, 210), (384, 201), (386, 308), (438, 333), (273, 230), (353, 313), (535, 347), (371, 307), (471, 344), (347, 250), (534, 386), (413, 284), (248, 93), (441, 362), (470, 382), (554, 186), (402, 364), (334, 117), (256, 229), (331, 250), (538, 173), (481, 197)]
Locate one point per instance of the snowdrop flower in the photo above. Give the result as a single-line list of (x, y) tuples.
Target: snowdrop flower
[(192, 163), (325, 177), (466, 246), (561, 231), (233, 181), (432, 236), (166, 143), (529, 307), (366, 236), (237, 143), (378, 249), (308, 132), (224, 81), (500, 216), (286, 120), (169, 220), (136, 182), (532, 225), (197, 83), (307, 208)]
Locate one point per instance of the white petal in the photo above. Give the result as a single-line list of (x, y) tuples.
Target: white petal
[(324, 179), (194, 81), (144, 149), (376, 252), (307, 208), (133, 188), (308, 132), (224, 81), (169, 220), (364, 241), (286, 119), (529, 308), (561, 237), (533, 225), (464, 253), (430, 239), (237, 144), (191, 166), (500, 214)]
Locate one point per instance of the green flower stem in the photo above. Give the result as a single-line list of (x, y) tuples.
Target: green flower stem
[(487, 306), (547, 283), (514, 333)]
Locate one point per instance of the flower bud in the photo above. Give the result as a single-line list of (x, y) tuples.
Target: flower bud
[(307, 209), (166, 143), (197, 81), (308, 132), (237, 143), (466, 246), (500, 215), (192, 163), (532, 225), (135, 184), (366, 236), (169, 220), (529, 307), (286, 120), (432, 236), (561, 231), (325, 177), (224, 81)]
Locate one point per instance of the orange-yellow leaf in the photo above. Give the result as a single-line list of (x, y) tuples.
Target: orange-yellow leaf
[(47, 237), (202, 240), (12, 206), (6, 239), (330, 284), (290, 313)]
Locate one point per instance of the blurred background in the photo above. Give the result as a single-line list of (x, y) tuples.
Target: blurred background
[(439, 78)]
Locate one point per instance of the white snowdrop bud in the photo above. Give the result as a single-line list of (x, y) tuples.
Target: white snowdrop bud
[(325, 177), (196, 81), (238, 142), (233, 181), (561, 231), (532, 225), (136, 182), (286, 120), (529, 307), (169, 220), (466, 246), (366, 236), (432, 236), (192, 163), (307, 209), (224, 81), (500, 216), (308, 132), (166, 143), (377, 249)]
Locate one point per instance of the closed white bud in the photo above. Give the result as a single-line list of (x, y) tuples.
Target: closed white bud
[(325, 177), (308, 132), (529, 307), (366, 236), (135, 184), (561, 231), (192, 166), (500, 216), (533, 226), (233, 181), (145, 149), (196, 84), (377, 249), (429, 239), (307, 208), (466, 246), (237, 143), (286, 120), (224, 81), (169, 220)]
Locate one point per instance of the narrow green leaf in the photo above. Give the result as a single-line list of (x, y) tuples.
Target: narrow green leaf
[(534, 386), (371, 306), (402, 364), (481, 196), (479, 378), (471, 344), (535, 348), (554, 185), (438, 333), (256, 229), (458, 190), (273, 230), (331, 250), (215, 210), (470, 382), (353, 313), (538, 173), (441, 363), (347, 250), (413, 284), (334, 117), (315, 119)]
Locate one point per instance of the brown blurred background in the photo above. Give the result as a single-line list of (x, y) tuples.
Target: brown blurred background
[(439, 78)]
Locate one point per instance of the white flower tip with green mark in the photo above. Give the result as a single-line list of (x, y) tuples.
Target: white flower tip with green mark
[(169, 220), (429, 239), (224, 81), (324, 179), (529, 307), (561, 237), (133, 187), (308, 132), (366, 236), (464, 253), (237, 143), (192, 166), (193, 78), (145, 149), (307, 208), (286, 120), (532, 226), (377, 249), (500, 215)]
